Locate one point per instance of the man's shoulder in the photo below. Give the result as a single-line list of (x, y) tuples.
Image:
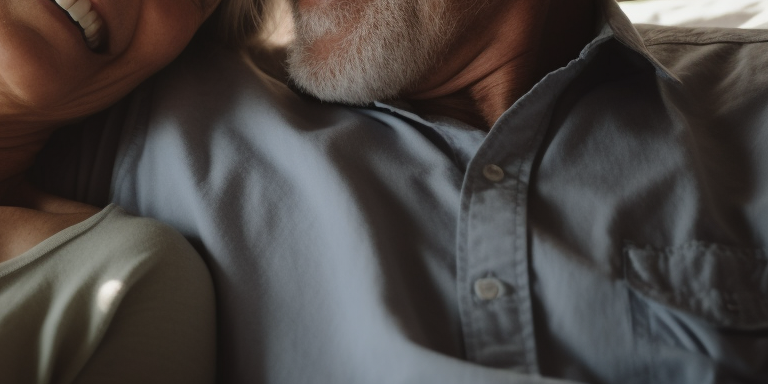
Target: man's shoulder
[(721, 70)]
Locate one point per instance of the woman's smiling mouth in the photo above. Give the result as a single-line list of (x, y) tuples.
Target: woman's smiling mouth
[(88, 20)]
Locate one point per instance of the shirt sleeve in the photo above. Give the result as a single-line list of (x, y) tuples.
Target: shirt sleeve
[(164, 328)]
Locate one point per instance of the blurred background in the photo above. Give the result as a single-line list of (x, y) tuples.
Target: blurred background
[(699, 13)]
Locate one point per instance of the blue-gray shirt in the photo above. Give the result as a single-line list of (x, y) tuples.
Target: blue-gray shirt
[(611, 227)]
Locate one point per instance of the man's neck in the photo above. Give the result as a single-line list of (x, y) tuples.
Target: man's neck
[(502, 56)]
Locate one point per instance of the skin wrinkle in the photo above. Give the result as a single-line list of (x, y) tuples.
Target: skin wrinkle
[(494, 78), (22, 104), (494, 52)]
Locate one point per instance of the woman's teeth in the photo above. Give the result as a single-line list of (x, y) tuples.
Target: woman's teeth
[(81, 12)]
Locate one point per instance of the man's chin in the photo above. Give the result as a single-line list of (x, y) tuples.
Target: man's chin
[(342, 77), (328, 85), (366, 54)]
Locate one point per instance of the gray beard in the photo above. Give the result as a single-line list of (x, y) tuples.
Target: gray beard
[(387, 46)]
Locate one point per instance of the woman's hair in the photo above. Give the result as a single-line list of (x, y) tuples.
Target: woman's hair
[(238, 22)]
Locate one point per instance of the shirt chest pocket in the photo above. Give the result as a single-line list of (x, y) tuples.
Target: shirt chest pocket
[(726, 287), (700, 311)]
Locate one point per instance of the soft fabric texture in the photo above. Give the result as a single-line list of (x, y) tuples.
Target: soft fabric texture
[(114, 299), (589, 237)]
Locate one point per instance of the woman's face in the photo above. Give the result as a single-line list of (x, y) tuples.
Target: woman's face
[(48, 70)]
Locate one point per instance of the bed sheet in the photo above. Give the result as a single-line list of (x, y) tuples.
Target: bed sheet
[(699, 13)]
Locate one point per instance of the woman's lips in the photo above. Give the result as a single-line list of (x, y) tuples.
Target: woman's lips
[(91, 24)]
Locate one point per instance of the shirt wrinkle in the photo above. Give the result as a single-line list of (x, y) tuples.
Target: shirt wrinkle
[(635, 148)]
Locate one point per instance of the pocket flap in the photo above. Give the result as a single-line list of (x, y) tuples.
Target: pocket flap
[(726, 286)]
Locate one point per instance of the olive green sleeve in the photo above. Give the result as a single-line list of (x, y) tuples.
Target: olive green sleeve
[(163, 330)]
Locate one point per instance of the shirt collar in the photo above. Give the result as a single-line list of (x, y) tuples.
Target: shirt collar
[(612, 24), (617, 25)]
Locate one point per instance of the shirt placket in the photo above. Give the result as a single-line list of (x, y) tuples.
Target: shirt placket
[(492, 244)]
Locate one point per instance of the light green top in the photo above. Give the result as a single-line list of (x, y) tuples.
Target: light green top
[(114, 299)]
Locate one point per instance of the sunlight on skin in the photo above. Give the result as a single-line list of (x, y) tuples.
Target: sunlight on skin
[(62, 80), (49, 76)]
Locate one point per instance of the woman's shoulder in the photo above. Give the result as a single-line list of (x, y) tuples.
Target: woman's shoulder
[(114, 244), (115, 230), (114, 284), (135, 247)]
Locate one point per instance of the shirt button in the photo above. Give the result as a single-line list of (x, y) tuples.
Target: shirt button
[(493, 173), (488, 288)]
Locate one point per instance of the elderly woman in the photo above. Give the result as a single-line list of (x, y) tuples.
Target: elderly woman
[(90, 295)]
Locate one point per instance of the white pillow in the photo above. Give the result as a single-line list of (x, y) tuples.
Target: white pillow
[(699, 13)]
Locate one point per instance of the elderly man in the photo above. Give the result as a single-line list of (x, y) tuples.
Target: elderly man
[(531, 191)]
